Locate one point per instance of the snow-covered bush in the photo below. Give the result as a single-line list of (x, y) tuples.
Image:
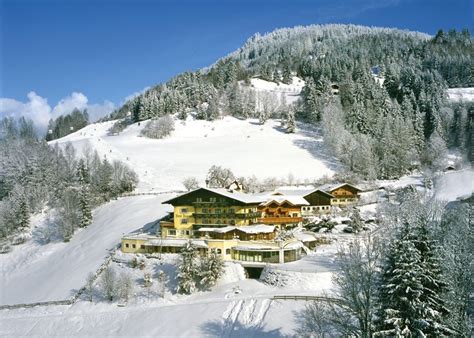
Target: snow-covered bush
[(159, 128)]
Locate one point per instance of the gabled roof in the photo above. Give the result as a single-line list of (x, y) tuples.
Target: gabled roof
[(332, 187), (320, 191), (238, 196), (280, 200)]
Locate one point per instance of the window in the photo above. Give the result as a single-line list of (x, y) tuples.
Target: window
[(212, 199), (198, 199), (232, 222), (184, 210), (134, 246), (231, 211), (204, 211), (218, 211), (142, 246), (127, 245), (219, 251), (184, 221), (227, 251), (172, 232), (187, 232)]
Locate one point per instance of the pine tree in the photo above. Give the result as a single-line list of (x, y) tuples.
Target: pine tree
[(23, 214), (212, 268), (188, 269), (286, 76), (290, 121), (401, 312), (412, 285), (84, 194)]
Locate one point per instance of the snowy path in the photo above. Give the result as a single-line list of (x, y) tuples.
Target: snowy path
[(34, 272)]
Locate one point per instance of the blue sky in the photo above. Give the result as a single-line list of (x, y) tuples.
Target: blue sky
[(90, 53)]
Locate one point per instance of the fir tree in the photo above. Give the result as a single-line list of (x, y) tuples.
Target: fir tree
[(84, 194), (23, 214), (286, 76), (212, 268), (188, 269)]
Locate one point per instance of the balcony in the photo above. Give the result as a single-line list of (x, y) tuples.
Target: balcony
[(280, 220), (227, 215)]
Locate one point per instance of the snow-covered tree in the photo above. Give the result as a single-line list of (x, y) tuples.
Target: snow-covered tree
[(108, 282), (218, 177), (188, 269), (190, 183), (159, 128), (212, 268), (350, 311)]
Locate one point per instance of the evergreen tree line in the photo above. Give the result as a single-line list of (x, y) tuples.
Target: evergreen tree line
[(67, 124), (400, 124), (34, 175), (415, 280)]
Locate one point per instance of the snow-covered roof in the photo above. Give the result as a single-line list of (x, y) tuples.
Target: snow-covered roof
[(280, 199), (305, 236), (139, 236), (256, 229), (218, 230), (333, 186), (294, 190), (177, 242), (238, 196)]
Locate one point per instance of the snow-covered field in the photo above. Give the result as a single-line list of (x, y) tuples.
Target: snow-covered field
[(222, 312), (453, 185), (246, 147), (461, 94), (34, 272)]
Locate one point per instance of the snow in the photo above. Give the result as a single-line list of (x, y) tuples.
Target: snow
[(244, 146), (35, 272), (291, 91), (461, 94), (453, 185), (236, 307)]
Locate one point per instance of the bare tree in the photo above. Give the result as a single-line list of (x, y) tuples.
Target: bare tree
[(125, 286), (108, 282), (190, 183), (351, 311), (90, 286), (218, 177)]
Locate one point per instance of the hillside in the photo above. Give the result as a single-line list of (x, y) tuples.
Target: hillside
[(244, 146)]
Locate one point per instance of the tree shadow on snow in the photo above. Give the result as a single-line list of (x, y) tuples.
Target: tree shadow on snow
[(229, 328), (313, 143)]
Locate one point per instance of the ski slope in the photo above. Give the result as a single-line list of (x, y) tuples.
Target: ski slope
[(34, 272), (244, 146)]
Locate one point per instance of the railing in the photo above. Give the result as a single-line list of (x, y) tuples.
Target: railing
[(280, 220), (227, 215)]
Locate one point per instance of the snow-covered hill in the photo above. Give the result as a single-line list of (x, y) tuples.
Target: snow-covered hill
[(35, 272), (244, 146)]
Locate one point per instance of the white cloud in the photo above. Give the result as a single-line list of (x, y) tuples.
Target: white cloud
[(133, 95), (38, 109)]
